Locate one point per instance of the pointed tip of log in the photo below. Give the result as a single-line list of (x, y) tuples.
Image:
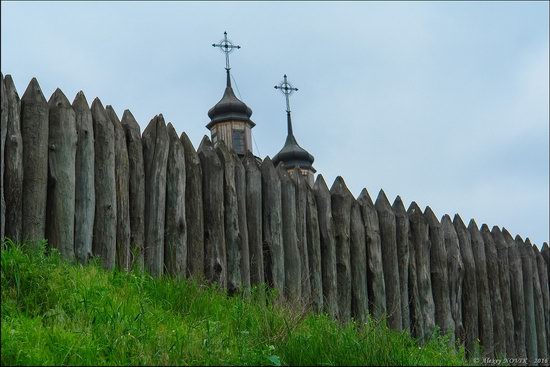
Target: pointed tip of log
[(80, 101), (172, 134), (58, 99), (187, 145), (129, 120), (536, 250), (267, 165), (446, 220), (545, 246), (364, 198), (267, 158), (457, 221), (339, 187), (112, 114), (320, 184), (527, 241), (382, 201), (206, 143), (10, 85), (473, 224), (507, 236), (518, 239), (398, 205), (430, 216), (33, 93), (414, 209), (160, 120), (485, 228)]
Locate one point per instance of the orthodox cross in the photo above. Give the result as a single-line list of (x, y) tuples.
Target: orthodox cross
[(226, 46), (287, 89)]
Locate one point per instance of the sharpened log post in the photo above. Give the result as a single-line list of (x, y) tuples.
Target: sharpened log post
[(419, 237), (213, 213), (455, 272), (375, 270), (293, 275), (13, 163), (499, 335), (402, 240), (84, 211), (193, 209), (358, 262), (240, 187), (469, 288), (528, 291), (516, 293), (122, 176), (313, 237), (272, 220), (483, 294), (231, 220), (254, 219), (105, 220), (439, 274), (545, 293), (389, 260), (155, 157), (328, 246), (301, 232), (136, 189), (341, 199), (3, 133), (61, 175), (504, 281), (34, 133), (539, 307), (175, 232)]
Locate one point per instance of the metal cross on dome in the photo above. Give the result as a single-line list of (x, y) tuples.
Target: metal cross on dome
[(226, 46), (287, 89)]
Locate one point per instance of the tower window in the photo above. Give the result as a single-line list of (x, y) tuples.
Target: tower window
[(238, 141)]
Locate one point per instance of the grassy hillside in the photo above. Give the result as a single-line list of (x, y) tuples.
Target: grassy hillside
[(54, 312)]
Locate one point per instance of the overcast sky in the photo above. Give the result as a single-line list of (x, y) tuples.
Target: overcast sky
[(445, 104)]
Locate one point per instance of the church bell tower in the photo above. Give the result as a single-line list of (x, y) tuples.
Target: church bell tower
[(230, 117)]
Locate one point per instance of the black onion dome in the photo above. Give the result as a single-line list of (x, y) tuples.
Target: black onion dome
[(229, 108), (292, 155)]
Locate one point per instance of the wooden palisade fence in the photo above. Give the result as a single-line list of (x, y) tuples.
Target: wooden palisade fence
[(94, 185)]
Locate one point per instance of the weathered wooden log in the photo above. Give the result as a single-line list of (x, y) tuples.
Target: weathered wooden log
[(193, 209), (3, 133), (528, 291), (543, 279), (469, 287), (313, 237), (122, 177), (402, 239), (34, 133), (358, 262), (539, 308), (13, 163), (301, 232), (240, 187), (84, 210), (483, 294), (341, 201), (155, 157), (272, 229), (328, 246), (175, 228), (105, 221), (499, 334), (375, 270), (419, 237), (388, 239), (136, 189), (293, 271), (213, 213), (504, 281), (455, 272), (516, 293), (415, 308), (545, 252), (439, 275), (62, 141), (254, 218), (231, 220)]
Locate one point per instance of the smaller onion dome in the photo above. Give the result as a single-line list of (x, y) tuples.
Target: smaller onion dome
[(293, 155), (229, 108)]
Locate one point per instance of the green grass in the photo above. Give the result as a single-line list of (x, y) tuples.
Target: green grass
[(54, 312)]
